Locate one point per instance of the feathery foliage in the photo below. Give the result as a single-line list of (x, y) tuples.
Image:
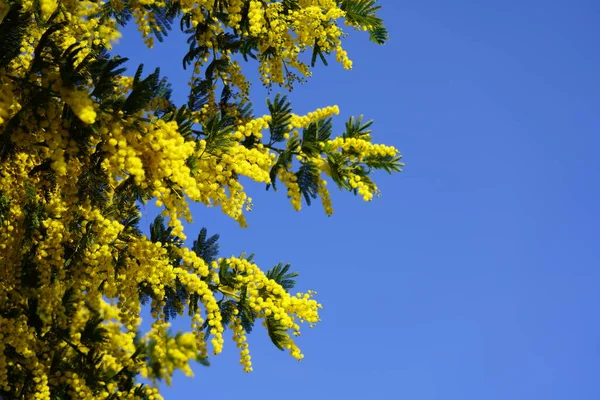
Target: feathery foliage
[(84, 147)]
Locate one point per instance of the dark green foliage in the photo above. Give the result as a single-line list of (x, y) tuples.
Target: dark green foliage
[(226, 275), (379, 34), (308, 181), (195, 51), (199, 94), (244, 109), (81, 133), (206, 248), (46, 50), (33, 319), (247, 314), (4, 206), (87, 364), (217, 132), (131, 222), (73, 252), (341, 167), (280, 109), (176, 297), (7, 147), (338, 170), (317, 52), (160, 233), (163, 234), (182, 116), (324, 129), (232, 41), (204, 361), (359, 12), (74, 74), (387, 163), (175, 300), (277, 332), (364, 12), (69, 301), (284, 158), (290, 5), (122, 17), (104, 72), (13, 27), (33, 211), (356, 129), (280, 274), (193, 303), (163, 18), (94, 332), (30, 276), (316, 133), (227, 308), (143, 91), (128, 189), (216, 66)]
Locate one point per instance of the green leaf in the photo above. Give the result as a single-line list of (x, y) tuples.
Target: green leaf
[(4, 206), (280, 109), (387, 163), (216, 66), (34, 211), (280, 274), (199, 93), (33, 318), (379, 34), (93, 332), (72, 72), (308, 181), (247, 315), (282, 161), (12, 29), (146, 90), (317, 52), (206, 248), (338, 170), (162, 234), (356, 129), (163, 18), (364, 13), (203, 360), (182, 116), (277, 332), (218, 134)]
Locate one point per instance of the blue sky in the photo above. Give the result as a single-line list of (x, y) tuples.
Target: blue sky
[(475, 275)]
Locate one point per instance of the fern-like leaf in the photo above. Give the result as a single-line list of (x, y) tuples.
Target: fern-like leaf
[(280, 274), (356, 129), (12, 29), (280, 109), (364, 13), (308, 181), (206, 247), (277, 332)]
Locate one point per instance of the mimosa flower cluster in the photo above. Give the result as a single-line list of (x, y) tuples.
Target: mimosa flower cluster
[(83, 150)]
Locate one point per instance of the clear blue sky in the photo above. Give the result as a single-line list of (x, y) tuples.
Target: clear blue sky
[(476, 275)]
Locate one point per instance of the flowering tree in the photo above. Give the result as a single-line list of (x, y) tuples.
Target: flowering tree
[(82, 146)]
